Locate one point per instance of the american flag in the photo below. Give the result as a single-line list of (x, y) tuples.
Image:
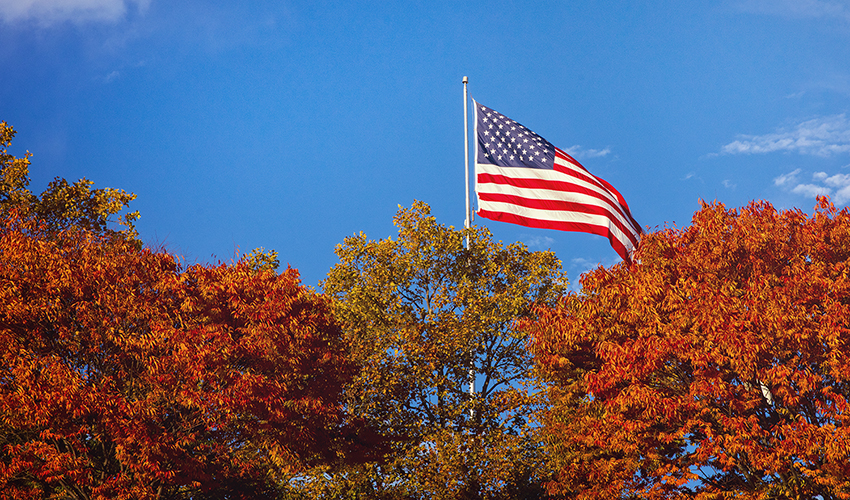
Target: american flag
[(523, 179)]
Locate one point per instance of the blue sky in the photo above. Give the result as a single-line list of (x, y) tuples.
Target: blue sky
[(290, 125)]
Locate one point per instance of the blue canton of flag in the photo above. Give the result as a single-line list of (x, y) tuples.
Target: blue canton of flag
[(507, 143)]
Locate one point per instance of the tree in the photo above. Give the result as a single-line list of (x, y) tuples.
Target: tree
[(715, 366), (61, 205), (421, 311), (123, 375)]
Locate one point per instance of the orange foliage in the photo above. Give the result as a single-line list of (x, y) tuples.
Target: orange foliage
[(124, 376), (716, 366)]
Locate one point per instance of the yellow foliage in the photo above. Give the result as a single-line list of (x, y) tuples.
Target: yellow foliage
[(421, 311), (61, 205)]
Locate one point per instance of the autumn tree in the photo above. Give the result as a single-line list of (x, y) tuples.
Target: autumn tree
[(62, 204), (125, 376), (716, 366), (422, 313)]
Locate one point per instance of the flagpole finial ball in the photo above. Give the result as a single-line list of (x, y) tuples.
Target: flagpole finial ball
[(465, 80)]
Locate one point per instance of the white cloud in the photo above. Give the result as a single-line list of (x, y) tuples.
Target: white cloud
[(822, 136), (841, 184), (49, 12), (842, 196), (811, 190), (582, 264), (837, 180), (787, 179), (539, 242), (580, 153), (837, 186), (729, 184)]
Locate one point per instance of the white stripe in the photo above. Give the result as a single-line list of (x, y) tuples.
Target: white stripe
[(578, 169), (568, 164), (540, 194), (548, 194), (549, 175), (558, 216), (546, 174)]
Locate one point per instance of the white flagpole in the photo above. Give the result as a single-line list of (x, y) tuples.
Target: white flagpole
[(466, 222), (466, 150)]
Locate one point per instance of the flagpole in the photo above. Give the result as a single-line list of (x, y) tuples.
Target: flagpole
[(466, 151), (466, 222)]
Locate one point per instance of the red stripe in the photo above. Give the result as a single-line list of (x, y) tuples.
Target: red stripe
[(584, 174), (563, 186), (561, 206), (559, 225), (622, 203), (598, 181)]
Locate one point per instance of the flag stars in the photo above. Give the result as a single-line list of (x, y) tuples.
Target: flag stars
[(504, 141)]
